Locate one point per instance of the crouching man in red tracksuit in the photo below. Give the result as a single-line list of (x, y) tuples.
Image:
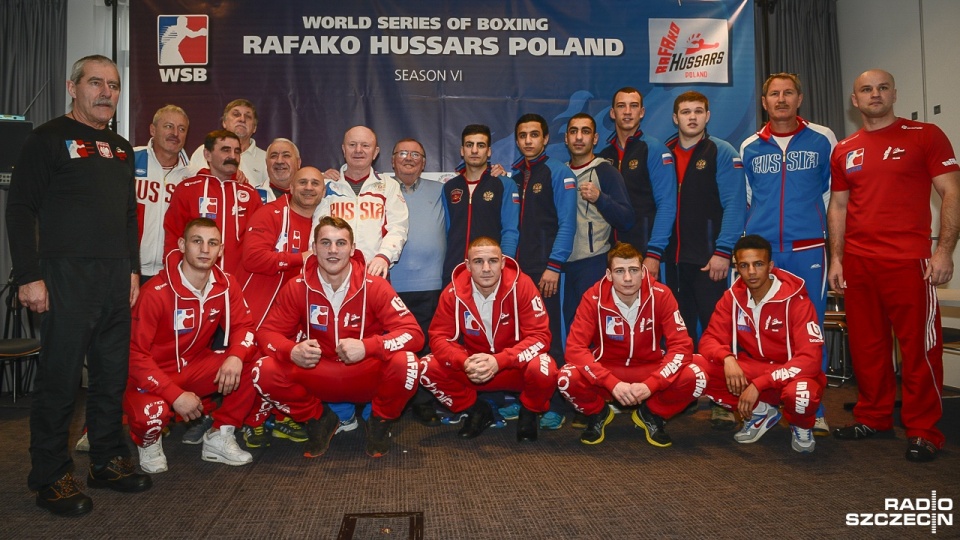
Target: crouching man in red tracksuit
[(490, 333), (613, 351), (763, 347), (172, 368), (337, 334)]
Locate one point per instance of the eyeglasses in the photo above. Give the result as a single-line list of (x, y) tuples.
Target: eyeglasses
[(404, 154)]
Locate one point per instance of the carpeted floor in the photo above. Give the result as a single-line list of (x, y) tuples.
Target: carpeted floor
[(705, 486)]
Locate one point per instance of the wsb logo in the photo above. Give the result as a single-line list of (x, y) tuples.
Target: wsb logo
[(933, 512), (182, 40)]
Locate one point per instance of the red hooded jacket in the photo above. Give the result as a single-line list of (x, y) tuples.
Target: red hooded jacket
[(521, 325), (600, 337), (786, 335), (371, 312), (172, 327)]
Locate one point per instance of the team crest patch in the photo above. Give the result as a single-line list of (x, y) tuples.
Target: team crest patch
[(742, 323), (243, 196), (488, 196), (78, 149), (667, 158), (104, 150), (633, 164), (208, 207), (515, 197), (613, 327), (537, 188), (569, 183), (456, 195), (319, 317), (471, 326), (854, 160), (184, 321), (701, 164)]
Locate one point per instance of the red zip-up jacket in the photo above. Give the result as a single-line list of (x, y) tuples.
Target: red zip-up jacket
[(371, 312), (787, 336), (521, 327), (600, 337), (172, 327)]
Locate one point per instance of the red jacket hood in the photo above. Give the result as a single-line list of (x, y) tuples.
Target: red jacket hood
[(790, 285), (462, 280), (358, 265)]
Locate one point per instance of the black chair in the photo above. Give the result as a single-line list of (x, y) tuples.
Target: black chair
[(13, 354)]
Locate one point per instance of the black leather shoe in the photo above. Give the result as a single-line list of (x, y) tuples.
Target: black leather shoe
[(479, 418), (854, 432), (120, 475), (64, 498), (596, 426), (426, 414), (378, 436), (920, 450), (527, 424), (319, 432)]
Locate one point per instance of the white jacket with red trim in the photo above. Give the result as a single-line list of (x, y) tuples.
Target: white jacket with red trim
[(172, 327), (378, 216), (521, 324), (600, 337), (228, 203), (273, 248), (371, 312), (787, 336)]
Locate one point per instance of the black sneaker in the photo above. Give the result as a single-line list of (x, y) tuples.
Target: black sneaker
[(854, 432), (920, 450), (652, 426), (120, 475), (596, 424), (580, 421), (64, 498), (426, 414), (527, 425), (378, 435), (319, 432), (479, 418)]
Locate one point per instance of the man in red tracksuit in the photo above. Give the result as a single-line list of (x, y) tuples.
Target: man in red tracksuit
[(882, 261), (213, 193), (763, 347), (613, 351), (275, 247), (337, 334), (490, 333), (173, 369)]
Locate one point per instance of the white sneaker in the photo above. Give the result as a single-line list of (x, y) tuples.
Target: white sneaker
[(348, 425), (152, 459), (802, 440), (221, 446), (821, 428), (764, 417), (83, 444)]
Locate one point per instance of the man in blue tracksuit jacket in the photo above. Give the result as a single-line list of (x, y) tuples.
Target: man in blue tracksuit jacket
[(477, 203), (648, 172), (711, 203), (548, 217), (787, 164)]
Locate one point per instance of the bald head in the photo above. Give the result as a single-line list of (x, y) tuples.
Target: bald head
[(359, 150), (874, 93), (306, 190)]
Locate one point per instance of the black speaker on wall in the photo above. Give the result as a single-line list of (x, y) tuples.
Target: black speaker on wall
[(12, 135)]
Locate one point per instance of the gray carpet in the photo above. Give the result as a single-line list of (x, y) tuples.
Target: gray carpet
[(705, 486)]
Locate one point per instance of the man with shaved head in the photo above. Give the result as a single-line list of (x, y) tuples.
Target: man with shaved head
[(879, 218), (370, 202), (283, 160), (274, 250)]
